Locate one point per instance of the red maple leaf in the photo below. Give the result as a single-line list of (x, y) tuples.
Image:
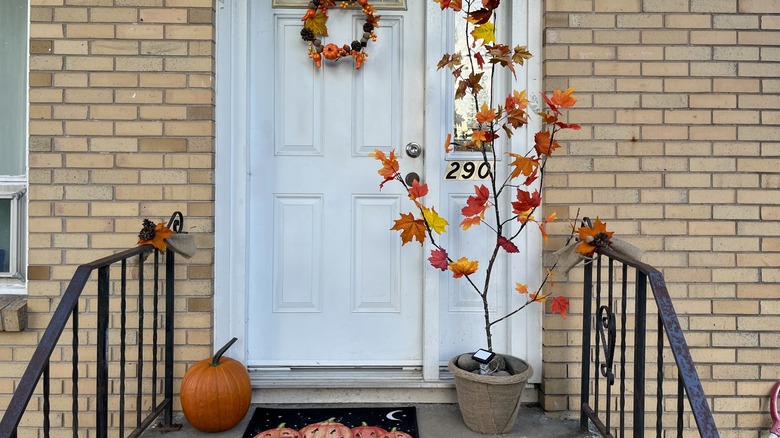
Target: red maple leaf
[(439, 259), (560, 305), (476, 205), (526, 201), (508, 245)]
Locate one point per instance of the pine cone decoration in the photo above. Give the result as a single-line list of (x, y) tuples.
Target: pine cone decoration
[(307, 34), (356, 46), (147, 233), (368, 27)]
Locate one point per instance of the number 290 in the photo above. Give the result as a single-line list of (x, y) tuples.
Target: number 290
[(467, 170)]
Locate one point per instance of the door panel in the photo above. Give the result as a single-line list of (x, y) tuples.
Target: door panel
[(328, 282)]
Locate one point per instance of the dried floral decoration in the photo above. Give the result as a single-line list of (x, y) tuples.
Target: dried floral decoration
[(314, 27), (154, 234), (592, 238)]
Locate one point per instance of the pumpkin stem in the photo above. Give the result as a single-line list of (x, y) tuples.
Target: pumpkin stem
[(218, 356)]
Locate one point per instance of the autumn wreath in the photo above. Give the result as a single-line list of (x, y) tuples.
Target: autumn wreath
[(314, 26)]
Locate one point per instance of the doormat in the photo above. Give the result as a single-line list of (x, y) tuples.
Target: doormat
[(336, 422)]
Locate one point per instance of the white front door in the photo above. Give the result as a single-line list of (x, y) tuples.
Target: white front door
[(328, 283), (307, 271)]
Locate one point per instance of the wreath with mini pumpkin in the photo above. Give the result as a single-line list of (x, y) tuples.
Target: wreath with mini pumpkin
[(315, 26)]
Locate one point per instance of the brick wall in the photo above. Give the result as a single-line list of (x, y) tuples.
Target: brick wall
[(121, 129), (679, 155)]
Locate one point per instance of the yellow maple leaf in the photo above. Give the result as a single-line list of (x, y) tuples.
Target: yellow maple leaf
[(410, 228), (317, 24), (463, 267), (521, 288), (485, 32), (436, 222)]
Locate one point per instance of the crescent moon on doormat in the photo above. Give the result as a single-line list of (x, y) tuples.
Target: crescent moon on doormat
[(390, 416)]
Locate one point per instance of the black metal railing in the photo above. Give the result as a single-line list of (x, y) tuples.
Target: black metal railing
[(153, 395), (608, 344)]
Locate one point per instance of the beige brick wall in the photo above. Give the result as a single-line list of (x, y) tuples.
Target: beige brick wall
[(121, 129), (680, 105)]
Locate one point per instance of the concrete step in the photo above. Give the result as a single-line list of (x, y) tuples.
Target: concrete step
[(433, 421)]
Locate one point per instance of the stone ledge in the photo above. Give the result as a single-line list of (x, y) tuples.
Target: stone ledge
[(13, 313)]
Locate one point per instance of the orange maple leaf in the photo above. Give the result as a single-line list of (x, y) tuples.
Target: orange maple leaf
[(463, 267), (523, 164), (543, 145), (469, 221), (564, 99), (485, 114), (390, 165), (592, 238), (417, 191), (447, 143), (161, 232), (560, 305), (478, 137), (521, 288), (410, 228)]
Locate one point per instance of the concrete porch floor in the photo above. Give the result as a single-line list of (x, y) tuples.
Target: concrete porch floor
[(433, 421)]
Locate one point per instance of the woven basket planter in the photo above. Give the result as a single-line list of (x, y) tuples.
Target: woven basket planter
[(489, 404)]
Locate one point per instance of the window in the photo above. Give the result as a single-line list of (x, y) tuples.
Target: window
[(14, 25)]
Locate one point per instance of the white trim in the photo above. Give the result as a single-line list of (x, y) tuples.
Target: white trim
[(436, 126), (529, 325), (231, 177)]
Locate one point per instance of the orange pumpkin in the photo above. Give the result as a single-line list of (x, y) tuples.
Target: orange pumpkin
[(326, 429), (279, 432), (396, 434), (216, 392), (366, 431), (331, 51)]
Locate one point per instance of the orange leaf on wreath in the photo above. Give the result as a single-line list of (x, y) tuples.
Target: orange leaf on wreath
[(161, 232)]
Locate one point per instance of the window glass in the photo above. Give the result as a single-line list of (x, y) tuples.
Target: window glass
[(5, 235), (13, 93), (465, 111)]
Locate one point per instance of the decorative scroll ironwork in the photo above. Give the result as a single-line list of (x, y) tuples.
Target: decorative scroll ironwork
[(606, 321)]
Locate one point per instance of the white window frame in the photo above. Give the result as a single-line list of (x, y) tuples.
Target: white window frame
[(14, 187)]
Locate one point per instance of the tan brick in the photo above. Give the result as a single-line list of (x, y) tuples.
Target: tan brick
[(190, 32), (139, 31), (89, 31), (164, 48), (164, 15), (616, 37), (624, 6), (665, 69), (113, 15), (736, 22), (688, 21), (616, 69), (713, 101)]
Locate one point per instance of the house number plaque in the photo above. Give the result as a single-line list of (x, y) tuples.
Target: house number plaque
[(467, 170)]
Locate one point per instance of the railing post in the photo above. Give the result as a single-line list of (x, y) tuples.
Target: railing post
[(169, 308), (102, 353), (587, 311), (640, 316)]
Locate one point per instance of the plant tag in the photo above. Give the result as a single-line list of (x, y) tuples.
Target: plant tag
[(483, 356)]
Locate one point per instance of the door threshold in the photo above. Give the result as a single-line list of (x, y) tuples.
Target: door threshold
[(356, 385), (344, 377)]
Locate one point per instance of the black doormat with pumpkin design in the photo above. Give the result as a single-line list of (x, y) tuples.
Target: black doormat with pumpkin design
[(394, 422)]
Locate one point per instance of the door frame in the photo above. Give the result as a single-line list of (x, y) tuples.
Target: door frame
[(231, 253)]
